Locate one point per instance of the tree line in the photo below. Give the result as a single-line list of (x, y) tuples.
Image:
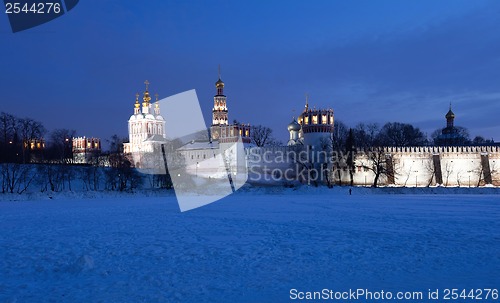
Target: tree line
[(346, 142), (27, 160), (395, 134)]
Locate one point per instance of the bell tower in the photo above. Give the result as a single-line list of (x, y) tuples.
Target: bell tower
[(219, 111)]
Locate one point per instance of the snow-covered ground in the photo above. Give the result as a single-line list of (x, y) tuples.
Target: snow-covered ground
[(253, 246)]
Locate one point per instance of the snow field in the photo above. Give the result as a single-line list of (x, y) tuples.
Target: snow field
[(252, 246)]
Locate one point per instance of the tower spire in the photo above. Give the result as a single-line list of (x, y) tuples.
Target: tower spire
[(219, 85), (219, 111), (307, 101), (137, 100), (146, 98), (450, 116), (137, 104)]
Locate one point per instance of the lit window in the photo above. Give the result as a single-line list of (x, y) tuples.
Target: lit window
[(315, 119)]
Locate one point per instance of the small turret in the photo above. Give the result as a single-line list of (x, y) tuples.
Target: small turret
[(294, 129), (450, 118), (146, 98)]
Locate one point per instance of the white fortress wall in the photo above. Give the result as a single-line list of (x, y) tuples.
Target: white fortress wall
[(412, 166), (416, 166)]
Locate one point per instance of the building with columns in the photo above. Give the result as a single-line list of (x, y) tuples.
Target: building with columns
[(86, 150), (146, 127)]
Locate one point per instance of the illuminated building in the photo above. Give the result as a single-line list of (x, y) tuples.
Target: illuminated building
[(85, 150)]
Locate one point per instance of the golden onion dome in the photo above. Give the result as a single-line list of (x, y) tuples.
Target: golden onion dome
[(219, 83), (450, 115)]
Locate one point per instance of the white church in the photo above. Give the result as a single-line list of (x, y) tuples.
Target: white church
[(146, 126)]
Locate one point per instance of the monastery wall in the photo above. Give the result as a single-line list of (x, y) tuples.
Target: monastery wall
[(423, 166)]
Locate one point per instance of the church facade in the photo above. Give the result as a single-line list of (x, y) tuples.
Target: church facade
[(146, 127)]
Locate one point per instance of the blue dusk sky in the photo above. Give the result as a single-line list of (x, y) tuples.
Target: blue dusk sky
[(371, 61)]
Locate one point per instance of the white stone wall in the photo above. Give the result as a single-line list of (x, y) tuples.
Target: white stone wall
[(460, 166)]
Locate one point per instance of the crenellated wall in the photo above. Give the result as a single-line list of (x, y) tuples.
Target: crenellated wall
[(433, 165), (407, 166)]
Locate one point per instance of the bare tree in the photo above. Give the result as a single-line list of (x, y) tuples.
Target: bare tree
[(29, 130), (61, 145), (448, 170), (350, 148), (431, 169), (407, 174), (7, 126), (401, 134), (90, 176), (479, 172), (16, 178), (7, 138), (366, 135), (380, 163), (121, 175), (341, 151), (262, 136)]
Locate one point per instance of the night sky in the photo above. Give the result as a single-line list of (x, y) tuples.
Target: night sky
[(371, 61)]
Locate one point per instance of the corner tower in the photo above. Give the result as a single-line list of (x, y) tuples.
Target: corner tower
[(316, 125)]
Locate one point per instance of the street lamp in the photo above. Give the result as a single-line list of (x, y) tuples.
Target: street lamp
[(416, 178), (197, 164)]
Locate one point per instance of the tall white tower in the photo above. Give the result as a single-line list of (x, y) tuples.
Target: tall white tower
[(219, 111)]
